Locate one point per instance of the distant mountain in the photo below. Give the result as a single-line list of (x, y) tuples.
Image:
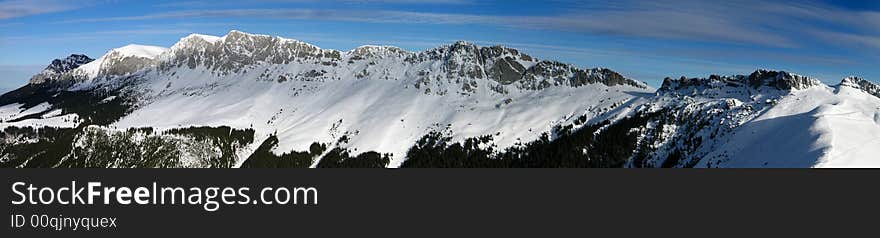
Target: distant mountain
[(59, 67), (245, 100)]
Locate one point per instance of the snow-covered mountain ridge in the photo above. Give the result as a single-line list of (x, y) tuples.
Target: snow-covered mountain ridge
[(765, 119), (246, 100), (372, 98), (237, 52)]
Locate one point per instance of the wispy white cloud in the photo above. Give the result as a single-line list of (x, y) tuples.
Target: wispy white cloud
[(781, 24), (411, 1), (314, 14), (766, 23), (215, 3), (774, 24), (67, 37), (850, 40), (21, 8)]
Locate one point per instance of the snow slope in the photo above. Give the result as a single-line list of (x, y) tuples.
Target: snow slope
[(817, 127), (378, 115), (144, 51), (52, 118), (853, 130), (371, 100)]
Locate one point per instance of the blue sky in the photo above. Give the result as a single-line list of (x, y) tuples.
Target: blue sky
[(645, 40)]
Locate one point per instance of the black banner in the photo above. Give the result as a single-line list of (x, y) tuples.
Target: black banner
[(451, 202)]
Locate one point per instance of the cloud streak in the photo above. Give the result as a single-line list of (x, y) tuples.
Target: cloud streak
[(771, 24), (22, 8), (198, 4), (311, 14), (850, 40), (67, 37)]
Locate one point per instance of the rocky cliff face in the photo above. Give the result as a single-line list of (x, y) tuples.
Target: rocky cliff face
[(237, 50), (781, 80)]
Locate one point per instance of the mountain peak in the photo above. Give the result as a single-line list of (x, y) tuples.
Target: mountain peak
[(781, 80), (76, 57), (861, 84), (852, 80), (143, 51), (240, 34), (237, 33), (234, 31), (463, 43), (237, 36), (376, 50), (120, 61), (237, 49), (206, 38), (60, 66)]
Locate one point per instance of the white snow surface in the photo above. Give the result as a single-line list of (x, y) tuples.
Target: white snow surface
[(52, 118), (11, 111), (386, 116), (145, 51), (818, 127), (208, 38)]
